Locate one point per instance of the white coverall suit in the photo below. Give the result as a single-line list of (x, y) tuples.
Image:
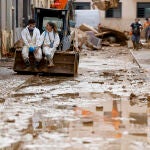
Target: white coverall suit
[(46, 39), (29, 41)]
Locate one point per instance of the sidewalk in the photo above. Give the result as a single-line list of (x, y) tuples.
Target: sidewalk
[(143, 58)]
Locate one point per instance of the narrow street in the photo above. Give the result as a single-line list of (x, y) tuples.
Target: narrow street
[(105, 107)]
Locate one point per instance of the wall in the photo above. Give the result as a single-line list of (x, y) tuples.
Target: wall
[(86, 16), (6, 25), (41, 3), (128, 15)]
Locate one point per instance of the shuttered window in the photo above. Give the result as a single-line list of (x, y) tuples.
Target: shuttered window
[(114, 12), (143, 10)]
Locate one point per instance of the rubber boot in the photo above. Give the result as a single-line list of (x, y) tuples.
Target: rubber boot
[(137, 46), (51, 64), (50, 60), (45, 69), (134, 45), (27, 64), (36, 66)]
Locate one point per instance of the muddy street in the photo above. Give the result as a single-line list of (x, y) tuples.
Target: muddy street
[(105, 107)]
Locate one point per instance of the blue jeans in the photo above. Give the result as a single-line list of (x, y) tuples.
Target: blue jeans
[(136, 38)]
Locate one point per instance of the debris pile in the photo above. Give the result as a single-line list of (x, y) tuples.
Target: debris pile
[(105, 4), (88, 36)]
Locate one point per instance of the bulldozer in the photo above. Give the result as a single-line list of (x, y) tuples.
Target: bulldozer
[(66, 59)]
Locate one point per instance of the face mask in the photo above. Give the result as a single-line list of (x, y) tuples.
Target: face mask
[(30, 29)]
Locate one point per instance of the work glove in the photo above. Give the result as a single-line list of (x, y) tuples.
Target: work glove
[(32, 49)]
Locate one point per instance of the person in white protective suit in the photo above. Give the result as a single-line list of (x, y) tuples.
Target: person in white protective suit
[(31, 38), (50, 40)]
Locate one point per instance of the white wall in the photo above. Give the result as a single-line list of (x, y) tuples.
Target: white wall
[(90, 17), (41, 3), (128, 15)]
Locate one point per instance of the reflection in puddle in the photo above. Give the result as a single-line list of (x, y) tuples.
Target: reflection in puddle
[(116, 121)]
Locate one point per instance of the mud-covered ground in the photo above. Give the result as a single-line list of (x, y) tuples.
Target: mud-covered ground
[(104, 108)]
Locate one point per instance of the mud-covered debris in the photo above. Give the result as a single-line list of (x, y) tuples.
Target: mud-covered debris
[(99, 108), (99, 82), (86, 142), (112, 36), (108, 74), (142, 99), (2, 100), (87, 122), (85, 27), (148, 98), (10, 120), (123, 86), (92, 41), (133, 99), (132, 96), (110, 88)]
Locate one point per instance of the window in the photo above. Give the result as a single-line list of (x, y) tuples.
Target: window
[(114, 12), (143, 10), (16, 13), (82, 5), (57, 21)]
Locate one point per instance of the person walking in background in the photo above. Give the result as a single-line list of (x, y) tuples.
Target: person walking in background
[(31, 38), (146, 27), (136, 29), (139, 21)]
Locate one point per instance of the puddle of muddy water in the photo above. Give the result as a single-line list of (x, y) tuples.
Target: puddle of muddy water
[(114, 122)]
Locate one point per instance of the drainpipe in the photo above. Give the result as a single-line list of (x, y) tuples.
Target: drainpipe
[(13, 23), (0, 32), (0, 43)]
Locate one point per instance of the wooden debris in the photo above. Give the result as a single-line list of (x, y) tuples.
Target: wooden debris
[(99, 108), (19, 44), (120, 36), (105, 4), (102, 34), (85, 27)]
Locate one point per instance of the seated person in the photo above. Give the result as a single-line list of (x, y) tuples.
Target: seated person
[(31, 38), (50, 40)]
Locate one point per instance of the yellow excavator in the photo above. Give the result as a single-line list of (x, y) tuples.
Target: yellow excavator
[(66, 60)]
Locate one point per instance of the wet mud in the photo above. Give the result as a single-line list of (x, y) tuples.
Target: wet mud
[(106, 107)]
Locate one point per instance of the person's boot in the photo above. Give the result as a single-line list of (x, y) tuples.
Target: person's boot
[(137, 46), (50, 60), (134, 45), (51, 64), (36, 66), (44, 69), (27, 65)]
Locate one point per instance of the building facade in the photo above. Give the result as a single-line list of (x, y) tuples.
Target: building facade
[(121, 17), (14, 15), (125, 14)]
